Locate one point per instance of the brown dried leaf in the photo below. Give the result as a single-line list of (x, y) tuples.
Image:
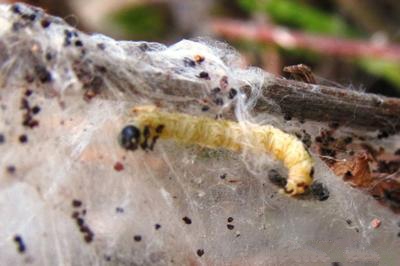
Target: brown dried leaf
[(355, 170)]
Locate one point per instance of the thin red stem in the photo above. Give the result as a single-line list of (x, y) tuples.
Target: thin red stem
[(332, 46)]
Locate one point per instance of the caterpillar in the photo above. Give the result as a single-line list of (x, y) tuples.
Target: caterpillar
[(150, 124)]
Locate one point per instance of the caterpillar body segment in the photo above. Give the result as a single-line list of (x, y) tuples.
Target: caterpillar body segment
[(154, 124)]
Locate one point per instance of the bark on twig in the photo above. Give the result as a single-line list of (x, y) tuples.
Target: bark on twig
[(322, 103), (312, 102)]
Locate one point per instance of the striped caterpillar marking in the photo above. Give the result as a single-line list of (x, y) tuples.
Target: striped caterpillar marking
[(151, 124)]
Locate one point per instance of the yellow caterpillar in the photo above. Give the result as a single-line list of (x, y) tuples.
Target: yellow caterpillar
[(151, 124)]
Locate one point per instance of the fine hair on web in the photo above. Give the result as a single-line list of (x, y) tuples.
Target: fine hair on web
[(80, 192)]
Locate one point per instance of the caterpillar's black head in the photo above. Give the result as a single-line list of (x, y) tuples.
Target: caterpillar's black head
[(129, 138)]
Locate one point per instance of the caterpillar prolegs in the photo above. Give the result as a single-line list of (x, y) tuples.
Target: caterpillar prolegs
[(150, 124)]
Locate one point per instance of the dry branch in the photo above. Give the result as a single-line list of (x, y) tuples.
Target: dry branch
[(330, 104)]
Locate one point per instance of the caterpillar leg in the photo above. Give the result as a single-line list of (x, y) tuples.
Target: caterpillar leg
[(132, 137)]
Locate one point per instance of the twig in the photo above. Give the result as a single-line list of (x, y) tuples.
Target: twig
[(313, 102), (322, 103), (235, 29)]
